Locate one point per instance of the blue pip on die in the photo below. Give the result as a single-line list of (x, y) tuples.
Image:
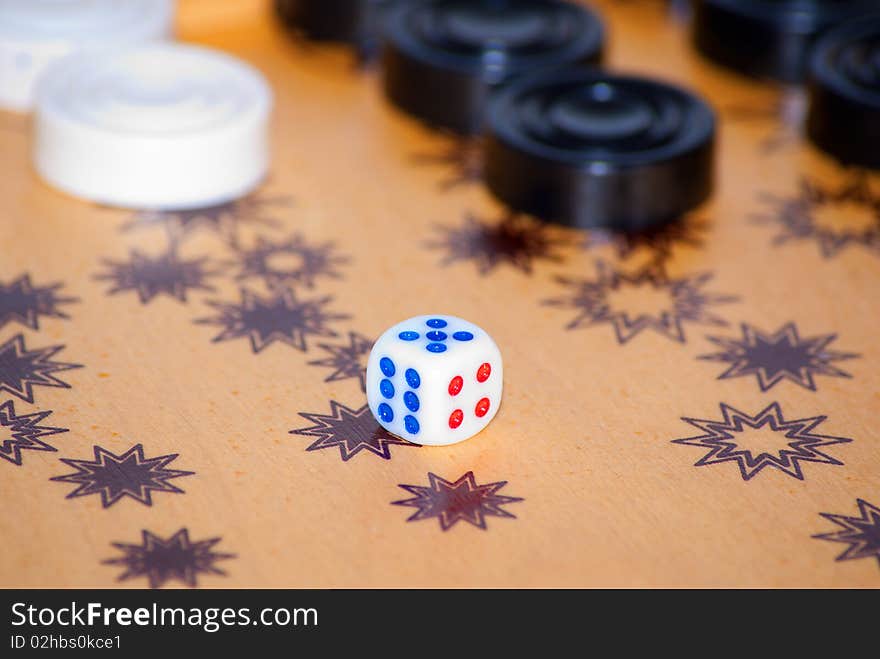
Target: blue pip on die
[(434, 380)]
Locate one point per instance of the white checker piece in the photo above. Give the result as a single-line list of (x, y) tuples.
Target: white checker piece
[(36, 33), (160, 126)]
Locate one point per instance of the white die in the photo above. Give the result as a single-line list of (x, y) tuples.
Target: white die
[(434, 380)]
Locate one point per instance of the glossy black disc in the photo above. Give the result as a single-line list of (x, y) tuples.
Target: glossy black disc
[(590, 149), (769, 38), (443, 58), (844, 115), (355, 22)]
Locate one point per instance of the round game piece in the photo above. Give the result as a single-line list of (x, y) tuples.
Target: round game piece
[(442, 58), (159, 126), (590, 149), (844, 116), (768, 38), (35, 33), (355, 22), (434, 380)]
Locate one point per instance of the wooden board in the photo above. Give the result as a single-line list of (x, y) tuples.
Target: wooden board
[(598, 383)]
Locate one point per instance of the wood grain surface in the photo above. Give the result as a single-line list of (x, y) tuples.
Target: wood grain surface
[(585, 434)]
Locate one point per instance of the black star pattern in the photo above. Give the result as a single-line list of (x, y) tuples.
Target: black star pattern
[(781, 355), (659, 242), (462, 155), (22, 369), (793, 441), (22, 433), (161, 560), (290, 261), (278, 317), (861, 533), (797, 217), (451, 502), (23, 302), (675, 302), (351, 430), (151, 276), (347, 361), (221, 219), (117, 476), (514, 240)]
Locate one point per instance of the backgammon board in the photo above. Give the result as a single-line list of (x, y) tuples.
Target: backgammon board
[(182, 393)]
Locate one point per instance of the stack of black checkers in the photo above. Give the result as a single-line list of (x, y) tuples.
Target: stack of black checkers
[(769, 38), (834, 46), (563, 139)]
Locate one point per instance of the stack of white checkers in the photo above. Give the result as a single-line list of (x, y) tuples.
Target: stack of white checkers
[(140, 122), (36, 33)]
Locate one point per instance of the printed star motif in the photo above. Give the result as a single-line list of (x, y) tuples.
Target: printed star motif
[(798, 217), (351, 430), (22, 432), (348, 361), (728, 440), (613, 296), (291, 261), (462, 155), (451, 502), (151, 276), (161, 560), (861, 533), (22, 369), (221, 219), (514, 240), (117, 476), (779, 356), (279, 317), (23, 302), (659, 242)]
